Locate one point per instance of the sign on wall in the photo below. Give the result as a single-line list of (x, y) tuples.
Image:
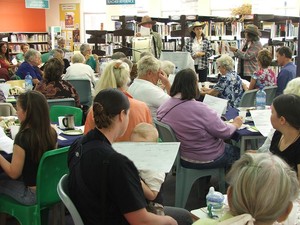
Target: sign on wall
[(120, 2), (37, 4), (70, 25)]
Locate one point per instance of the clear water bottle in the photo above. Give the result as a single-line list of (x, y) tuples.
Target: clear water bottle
[(28, 82), (214, 202), (261, 98)]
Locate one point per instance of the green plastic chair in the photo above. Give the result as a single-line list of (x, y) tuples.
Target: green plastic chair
[(61, 110), (52, 167)]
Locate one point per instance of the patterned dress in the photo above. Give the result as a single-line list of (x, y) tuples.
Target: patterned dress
[(266, 77), (58, 89), (230, 88)]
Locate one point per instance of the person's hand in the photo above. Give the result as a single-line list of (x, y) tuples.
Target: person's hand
[(233, 49), (138, 34), (171, 220), (164, 80), (237, 121), (96, 57), (251, 151), (200, 54), (87, 56)]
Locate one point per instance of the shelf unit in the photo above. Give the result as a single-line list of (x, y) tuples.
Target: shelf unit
[(36, 40)]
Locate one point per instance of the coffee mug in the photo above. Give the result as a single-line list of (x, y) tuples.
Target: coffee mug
[(66, 122)]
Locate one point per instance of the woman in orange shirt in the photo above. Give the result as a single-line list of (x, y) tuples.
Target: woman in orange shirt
[(116, 75)]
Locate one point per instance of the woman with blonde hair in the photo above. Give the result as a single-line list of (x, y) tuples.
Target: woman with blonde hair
[(116, 75), (262, 188)]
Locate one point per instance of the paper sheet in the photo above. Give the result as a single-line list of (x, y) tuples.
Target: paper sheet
[(6, 143), (217, 104), (145, 31), (149, 155), (262, 121)]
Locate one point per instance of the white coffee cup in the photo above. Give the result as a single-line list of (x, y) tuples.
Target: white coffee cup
[(60, 122), (243, 114), (14, 129)]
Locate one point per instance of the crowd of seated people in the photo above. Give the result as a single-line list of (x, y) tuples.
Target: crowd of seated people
[(201, 132)]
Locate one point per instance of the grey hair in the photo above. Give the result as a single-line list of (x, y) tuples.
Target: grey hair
[(115, 75), (263, 185), (31, 54), (145, 54), (168, 67), (84, 47), (293, 87), (78, 58), (128, 61), (56, 52), (118, 55), (227, 62), (147, 64)]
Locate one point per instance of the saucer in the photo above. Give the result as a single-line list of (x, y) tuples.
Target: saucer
[(72, 132)]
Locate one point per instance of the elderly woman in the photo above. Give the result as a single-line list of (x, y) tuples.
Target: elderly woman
[(262, 188), (230, 85), (90, 59), (80, 71), (30, 65), (52, 86), (248, 55), (198, 128)]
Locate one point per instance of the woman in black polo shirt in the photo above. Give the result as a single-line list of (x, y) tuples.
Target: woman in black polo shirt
[(103, 184)]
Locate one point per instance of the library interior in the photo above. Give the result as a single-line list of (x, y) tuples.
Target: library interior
[(190, 108)]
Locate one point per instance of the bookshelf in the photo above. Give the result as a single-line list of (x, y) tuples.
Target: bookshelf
[(38, 41)]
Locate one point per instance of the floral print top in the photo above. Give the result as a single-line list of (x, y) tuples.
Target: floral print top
[(230, 87), (58, 89), (266, 77)]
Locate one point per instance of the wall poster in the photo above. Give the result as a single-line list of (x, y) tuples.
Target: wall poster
[(70, 25)]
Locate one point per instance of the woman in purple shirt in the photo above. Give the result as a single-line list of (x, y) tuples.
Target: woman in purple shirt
[(199, 129)]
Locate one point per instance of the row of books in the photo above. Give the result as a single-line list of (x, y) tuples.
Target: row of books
[(28, 37), (16, 48), (281, 30)]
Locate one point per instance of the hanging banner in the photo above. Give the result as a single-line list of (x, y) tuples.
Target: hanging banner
[(37, 4), (70, 25)]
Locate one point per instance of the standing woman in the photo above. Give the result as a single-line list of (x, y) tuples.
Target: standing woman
[(35, 137), (248, 64), (200, 48)]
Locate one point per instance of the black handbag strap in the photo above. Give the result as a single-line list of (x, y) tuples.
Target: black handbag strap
[(171, 109)]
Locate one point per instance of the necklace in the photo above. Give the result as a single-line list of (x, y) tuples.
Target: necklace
[(287, 144)]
